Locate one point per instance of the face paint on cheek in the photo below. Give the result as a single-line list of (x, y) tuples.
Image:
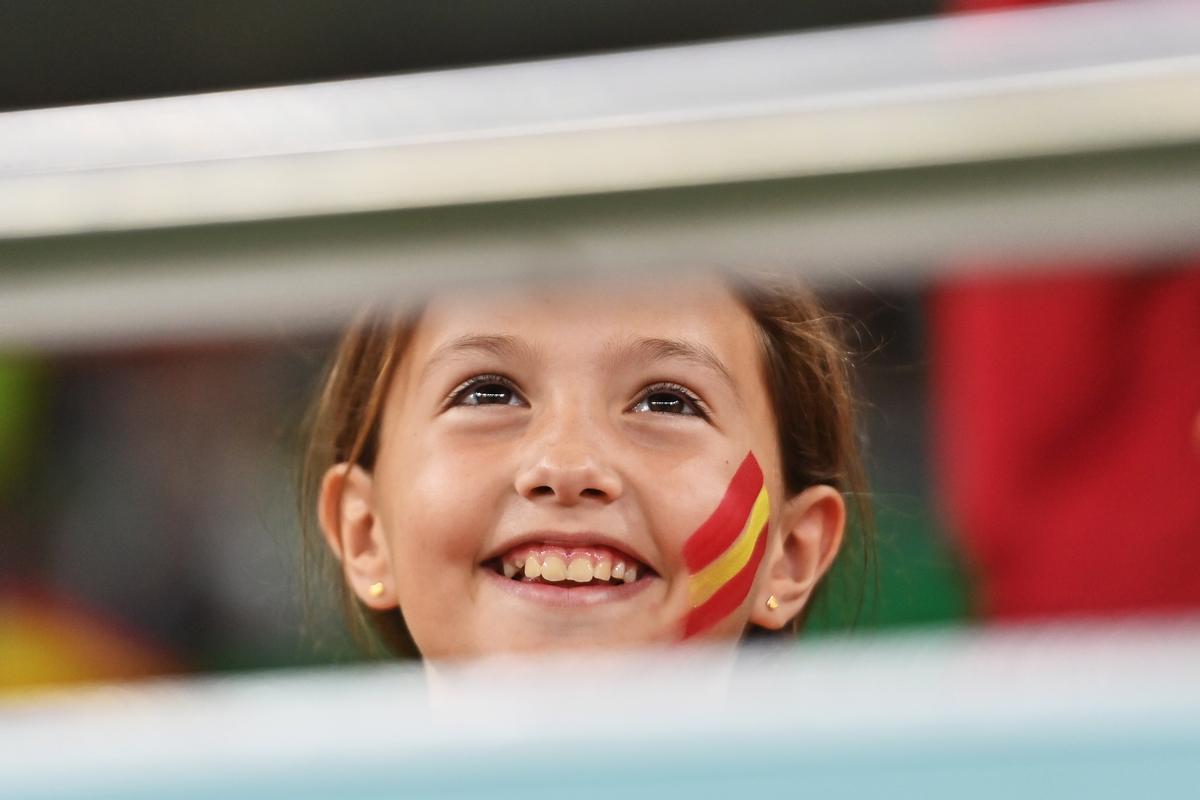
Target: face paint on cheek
[(723, 555)]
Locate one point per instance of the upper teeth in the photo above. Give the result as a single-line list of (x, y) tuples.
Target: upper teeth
[(554, 569), (558, 566), (580, 570)]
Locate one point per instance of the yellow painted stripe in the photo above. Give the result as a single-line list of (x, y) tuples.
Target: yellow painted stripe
[(705, 583)]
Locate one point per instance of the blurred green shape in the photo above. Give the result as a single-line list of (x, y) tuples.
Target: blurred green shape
[(916, 577), (22, 390)]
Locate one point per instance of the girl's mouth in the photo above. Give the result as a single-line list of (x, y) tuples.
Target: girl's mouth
[(569, 567)]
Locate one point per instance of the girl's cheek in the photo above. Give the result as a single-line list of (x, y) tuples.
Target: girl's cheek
[(723, 555), (436, 511)]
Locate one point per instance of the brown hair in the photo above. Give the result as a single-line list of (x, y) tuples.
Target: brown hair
[(807, 369)]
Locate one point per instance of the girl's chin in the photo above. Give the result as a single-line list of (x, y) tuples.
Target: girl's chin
[(514, 616)]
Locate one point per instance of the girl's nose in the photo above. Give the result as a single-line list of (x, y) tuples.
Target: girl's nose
[(568, 474)]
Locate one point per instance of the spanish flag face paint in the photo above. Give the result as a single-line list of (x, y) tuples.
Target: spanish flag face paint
[(723, 555)]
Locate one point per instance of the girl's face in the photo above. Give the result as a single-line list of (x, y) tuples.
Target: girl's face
[(544, 457)]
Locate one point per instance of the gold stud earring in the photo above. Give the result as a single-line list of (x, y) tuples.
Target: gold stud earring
[(772, 603), (376, 589)]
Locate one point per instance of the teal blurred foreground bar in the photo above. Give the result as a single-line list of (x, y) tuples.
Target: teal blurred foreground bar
[(883, 153), (1065, 712)]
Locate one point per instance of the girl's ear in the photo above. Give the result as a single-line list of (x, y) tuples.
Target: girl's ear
[(346, 512), (811, 525)]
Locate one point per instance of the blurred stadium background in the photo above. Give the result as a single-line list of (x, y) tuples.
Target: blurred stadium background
[(1029, 331)]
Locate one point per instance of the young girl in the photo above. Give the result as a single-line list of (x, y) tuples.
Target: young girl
[(586, 466)]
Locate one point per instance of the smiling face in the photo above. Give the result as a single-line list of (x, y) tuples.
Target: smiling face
[(544, 458)]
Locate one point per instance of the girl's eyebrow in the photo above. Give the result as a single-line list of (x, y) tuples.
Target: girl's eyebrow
[(656, 349), (475, 344)]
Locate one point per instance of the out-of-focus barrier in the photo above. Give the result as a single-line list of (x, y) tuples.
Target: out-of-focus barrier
[(1062, 711), (875, 152)]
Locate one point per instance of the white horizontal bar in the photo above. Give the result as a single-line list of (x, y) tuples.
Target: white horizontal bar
[(939, 91)]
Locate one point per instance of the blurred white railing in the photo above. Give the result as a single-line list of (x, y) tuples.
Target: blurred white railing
[(877, 152)]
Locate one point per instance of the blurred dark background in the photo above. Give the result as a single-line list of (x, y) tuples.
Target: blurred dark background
[(62, 52)]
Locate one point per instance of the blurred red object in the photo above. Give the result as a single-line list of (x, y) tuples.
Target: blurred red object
[(1064, 416), (1067, 436)]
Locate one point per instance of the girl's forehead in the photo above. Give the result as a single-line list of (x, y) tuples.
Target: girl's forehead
[(589, 312)]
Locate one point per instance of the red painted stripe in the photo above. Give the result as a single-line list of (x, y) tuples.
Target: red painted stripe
[(730, 596), (721, 528)]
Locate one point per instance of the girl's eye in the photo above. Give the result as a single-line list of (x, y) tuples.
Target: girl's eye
[(670, 398), (486, 390)]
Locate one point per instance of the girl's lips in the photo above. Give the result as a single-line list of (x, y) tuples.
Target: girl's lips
[(567, 595), (578, 564)]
